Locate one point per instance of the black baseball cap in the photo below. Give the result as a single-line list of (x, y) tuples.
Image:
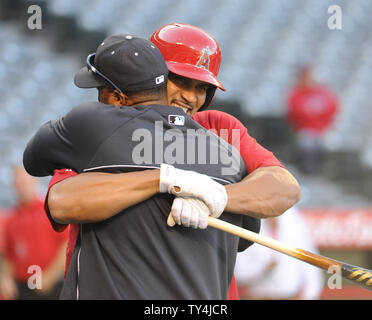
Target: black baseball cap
[(124, 62)]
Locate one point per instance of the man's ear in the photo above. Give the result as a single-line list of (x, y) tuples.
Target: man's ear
[(121, 98)]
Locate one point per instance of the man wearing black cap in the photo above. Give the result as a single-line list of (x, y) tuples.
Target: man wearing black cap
[(133, 255), (125, 62)]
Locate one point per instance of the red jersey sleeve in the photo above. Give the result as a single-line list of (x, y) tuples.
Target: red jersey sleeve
[(234, 132), (233, 293), (58, 176)]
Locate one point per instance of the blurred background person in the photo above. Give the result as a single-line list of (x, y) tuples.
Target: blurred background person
[(312, 108), (263, 273), (30, 244)]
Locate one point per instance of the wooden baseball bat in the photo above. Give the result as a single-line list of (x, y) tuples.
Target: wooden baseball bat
[(360, 276)]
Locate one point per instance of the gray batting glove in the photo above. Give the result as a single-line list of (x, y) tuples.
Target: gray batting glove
[(185, 183)]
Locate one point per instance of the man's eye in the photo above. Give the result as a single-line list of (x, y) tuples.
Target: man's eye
[(203, 88), (179, 80), (184, 81)]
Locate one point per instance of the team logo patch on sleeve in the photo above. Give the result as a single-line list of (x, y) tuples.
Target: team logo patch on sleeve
[(176, 120)]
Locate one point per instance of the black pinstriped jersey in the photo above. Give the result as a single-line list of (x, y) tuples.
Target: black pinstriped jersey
[(135, 255)]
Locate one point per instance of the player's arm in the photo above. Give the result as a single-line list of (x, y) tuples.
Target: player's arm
[(266, 192), (269, 189), (92, 197), (69, 142), (96, 196), (8, 286)]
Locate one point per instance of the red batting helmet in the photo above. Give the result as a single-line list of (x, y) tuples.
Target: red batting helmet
[(190, 52)]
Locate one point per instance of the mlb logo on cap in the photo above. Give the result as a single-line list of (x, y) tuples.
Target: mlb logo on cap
[(176, 120), (159, 79)]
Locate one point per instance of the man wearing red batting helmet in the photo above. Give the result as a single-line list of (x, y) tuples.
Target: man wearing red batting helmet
[(193, 58), (191, 53)]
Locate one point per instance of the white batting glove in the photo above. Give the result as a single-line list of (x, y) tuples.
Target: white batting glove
[(189, 212), (185, 183)]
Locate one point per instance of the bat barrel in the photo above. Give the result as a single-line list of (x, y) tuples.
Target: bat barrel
[(361, 276)]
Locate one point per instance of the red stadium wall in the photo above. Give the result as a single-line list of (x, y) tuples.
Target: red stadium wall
[(344, 234), (338, 229)]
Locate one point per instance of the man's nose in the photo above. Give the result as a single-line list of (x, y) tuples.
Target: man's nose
[(189, 94)]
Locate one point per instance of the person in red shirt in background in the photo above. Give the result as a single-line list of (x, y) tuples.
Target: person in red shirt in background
[(34, 254), (312, 108)]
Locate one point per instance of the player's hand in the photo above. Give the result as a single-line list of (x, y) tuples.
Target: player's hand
[(189, 212), (185, 183)]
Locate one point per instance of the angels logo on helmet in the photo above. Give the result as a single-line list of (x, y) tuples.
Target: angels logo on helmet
[(204, 59)]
